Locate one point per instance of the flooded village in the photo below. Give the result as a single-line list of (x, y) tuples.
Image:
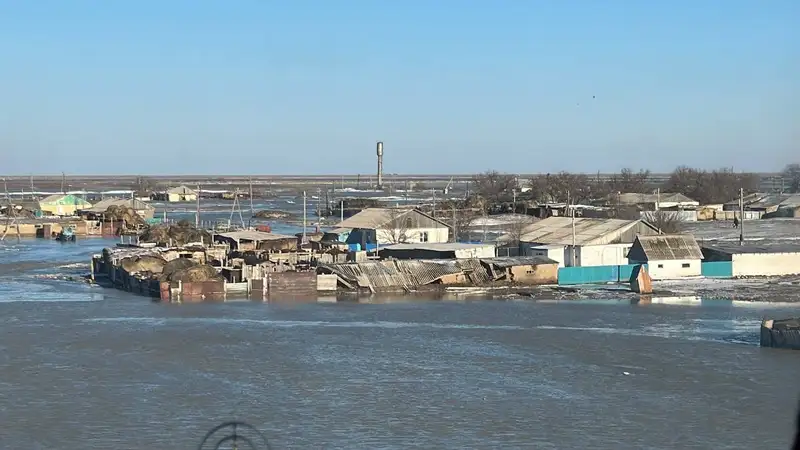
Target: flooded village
[(547, 236)]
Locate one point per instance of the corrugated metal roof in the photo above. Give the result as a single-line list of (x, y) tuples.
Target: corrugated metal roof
[(387, 275), (733, 248), (373, 218), (475, 271), (664, 197), (667, 247), (255, 236), (104, 204), (588, 231)]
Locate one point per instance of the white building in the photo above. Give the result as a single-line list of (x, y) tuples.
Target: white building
[(668, 256), (596, 242), (394, 226), (761, 259)]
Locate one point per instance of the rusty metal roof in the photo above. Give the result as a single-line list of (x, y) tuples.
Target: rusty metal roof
[(392, 274), (665, 247)]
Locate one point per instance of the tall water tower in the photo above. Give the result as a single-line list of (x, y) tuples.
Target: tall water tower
[(380, 164)]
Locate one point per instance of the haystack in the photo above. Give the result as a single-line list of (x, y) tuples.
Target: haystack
[(176, 265), (125, 214), (179, 234), (195, 274), (146, 263), (273, 215)]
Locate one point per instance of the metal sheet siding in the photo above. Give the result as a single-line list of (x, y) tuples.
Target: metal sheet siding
[(717, 269), (595, 274)]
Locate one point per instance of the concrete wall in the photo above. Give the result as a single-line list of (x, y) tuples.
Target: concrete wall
[(538, 274), (602, 255), (557, 253), (672, 269), (766, 264)]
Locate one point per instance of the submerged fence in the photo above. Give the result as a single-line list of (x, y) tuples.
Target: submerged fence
[(623, 273)]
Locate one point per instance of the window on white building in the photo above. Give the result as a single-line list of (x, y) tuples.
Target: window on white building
[(686, 265), (423, 236)]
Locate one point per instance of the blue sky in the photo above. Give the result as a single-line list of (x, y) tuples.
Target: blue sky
[(291, 87)]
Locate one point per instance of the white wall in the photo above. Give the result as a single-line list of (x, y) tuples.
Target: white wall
[(413, 235), (766, 264), (554, 252), (602, 255), (483, 251), (672, 269)]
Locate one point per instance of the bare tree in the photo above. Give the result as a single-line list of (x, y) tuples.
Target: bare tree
[(494, 186), (792, 174), (396, 227), (667, 222), (629, 181), (565, 187), (717, 186)]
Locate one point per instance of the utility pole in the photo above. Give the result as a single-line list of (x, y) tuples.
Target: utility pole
[(455, 225), (434, 202), (197, 209), (741, 215), (63, 182), (303, 242), (573, 237), (341, 210), (252, 211)]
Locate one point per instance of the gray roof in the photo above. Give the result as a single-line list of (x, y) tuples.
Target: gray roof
[(255, 236), (104, 204), (665, 247), (392, 274), (443, 247), (558, 230), (664, 197), (374, 218), (181, 190), (733, 248)]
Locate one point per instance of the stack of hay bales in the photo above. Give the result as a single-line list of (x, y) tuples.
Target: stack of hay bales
[(188, 271), (179, 234), (146, 265), (124, 213)]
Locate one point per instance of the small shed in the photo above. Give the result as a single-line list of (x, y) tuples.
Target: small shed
[(62, 205), (177, 194), (452, 250), (245, 240), (668, 256), (756, 259)]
